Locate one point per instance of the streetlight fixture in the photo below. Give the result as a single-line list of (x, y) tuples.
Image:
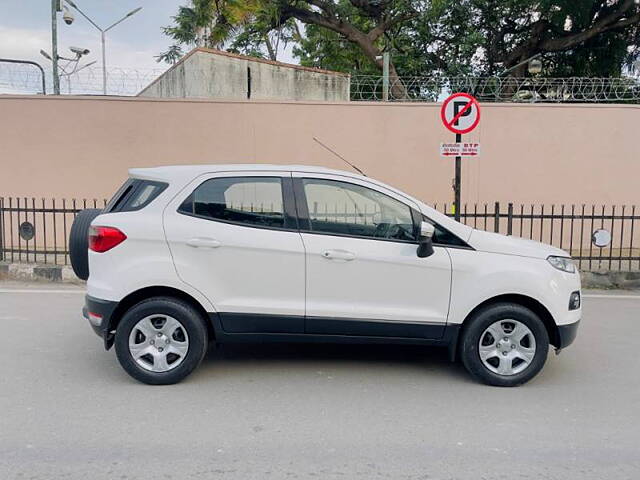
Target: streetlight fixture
[(103, 31), (535, 66)]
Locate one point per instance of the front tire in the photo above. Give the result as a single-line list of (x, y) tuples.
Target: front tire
[(504, 345), (160, 341)]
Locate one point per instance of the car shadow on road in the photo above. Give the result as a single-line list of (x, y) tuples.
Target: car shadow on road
[(312, 355)]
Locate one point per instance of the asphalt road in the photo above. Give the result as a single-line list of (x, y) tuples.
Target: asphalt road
[(67, 410)]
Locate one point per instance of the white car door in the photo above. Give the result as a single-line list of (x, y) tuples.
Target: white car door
[(363, 273), (233, 236)]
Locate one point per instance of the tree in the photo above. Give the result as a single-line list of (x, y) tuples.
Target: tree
[(425, 37), (215, 23), (577, 37), (364, 23)]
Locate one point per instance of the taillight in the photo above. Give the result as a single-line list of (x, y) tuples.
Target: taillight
[(102, 239)]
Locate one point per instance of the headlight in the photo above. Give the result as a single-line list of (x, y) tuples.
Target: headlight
[(562, 263)]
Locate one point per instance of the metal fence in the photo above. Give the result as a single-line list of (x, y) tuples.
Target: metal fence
[(37, 230), (569, 227)]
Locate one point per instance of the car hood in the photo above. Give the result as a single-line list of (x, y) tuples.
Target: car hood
[(509, 245)]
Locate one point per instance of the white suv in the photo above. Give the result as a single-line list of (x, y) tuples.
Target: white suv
[(187, 255)]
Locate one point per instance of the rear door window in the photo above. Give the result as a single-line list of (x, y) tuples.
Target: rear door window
[(254, 201)]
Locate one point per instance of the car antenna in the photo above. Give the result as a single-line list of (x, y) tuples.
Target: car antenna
[(341, 158)]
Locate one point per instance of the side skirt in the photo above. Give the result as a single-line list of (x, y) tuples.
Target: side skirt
[(259, 329)]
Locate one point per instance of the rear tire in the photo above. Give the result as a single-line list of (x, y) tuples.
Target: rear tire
[(160, 341), (504, 345), (79, 241)]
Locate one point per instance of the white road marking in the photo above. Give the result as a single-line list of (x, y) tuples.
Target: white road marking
[(11, 290), (604, 295)]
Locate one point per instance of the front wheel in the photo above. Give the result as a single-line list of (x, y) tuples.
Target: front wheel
[(161, 340), (504, 345)]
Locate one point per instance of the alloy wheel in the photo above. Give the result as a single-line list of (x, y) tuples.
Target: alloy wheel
[(158, 343), (507, 347)]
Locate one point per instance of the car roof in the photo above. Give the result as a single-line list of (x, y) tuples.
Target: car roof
[(182, 174), (191, 171)]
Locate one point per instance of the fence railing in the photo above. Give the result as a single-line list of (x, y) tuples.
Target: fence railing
[(37, 230)]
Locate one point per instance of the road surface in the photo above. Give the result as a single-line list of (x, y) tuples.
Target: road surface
[(67, 409)]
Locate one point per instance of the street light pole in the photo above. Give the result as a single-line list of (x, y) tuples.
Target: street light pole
[(55, 8), (103, 32)]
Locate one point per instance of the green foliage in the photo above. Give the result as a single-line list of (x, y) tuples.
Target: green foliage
[(322, 48), (425, 37), (214, 23)]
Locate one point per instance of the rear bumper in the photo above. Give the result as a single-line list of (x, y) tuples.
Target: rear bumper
[(567, 334), (99, 314)]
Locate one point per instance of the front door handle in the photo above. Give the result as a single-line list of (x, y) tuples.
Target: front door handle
[(339, 255), (203, 242)]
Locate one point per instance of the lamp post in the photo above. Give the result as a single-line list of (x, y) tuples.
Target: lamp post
[(103, 32)]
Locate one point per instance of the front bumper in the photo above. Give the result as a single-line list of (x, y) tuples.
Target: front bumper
[(99, 314), (567, 334)]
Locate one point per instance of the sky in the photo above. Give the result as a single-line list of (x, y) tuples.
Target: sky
[(25, 28)]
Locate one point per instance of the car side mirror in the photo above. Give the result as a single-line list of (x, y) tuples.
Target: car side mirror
[(425, 242)]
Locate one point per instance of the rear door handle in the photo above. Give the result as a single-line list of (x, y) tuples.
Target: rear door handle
[(203, 243), (339, 255)]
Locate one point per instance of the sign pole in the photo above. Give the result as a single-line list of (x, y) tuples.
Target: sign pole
[(458, 181), (460, 113)]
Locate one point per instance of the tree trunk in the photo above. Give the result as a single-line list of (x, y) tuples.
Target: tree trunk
[(267, 42), (398, 90)]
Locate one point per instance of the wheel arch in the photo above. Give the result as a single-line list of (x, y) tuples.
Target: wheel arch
[(156, 291), (528, 302)]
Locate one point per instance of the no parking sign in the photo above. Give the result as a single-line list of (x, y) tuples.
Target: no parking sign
[(460, 113)]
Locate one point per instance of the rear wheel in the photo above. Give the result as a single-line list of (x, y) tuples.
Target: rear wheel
[(504, 345), (160, 341)]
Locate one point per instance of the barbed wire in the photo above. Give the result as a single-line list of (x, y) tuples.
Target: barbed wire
[(500, 89), (21, 79)]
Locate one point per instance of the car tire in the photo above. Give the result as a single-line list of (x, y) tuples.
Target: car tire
[(157, 316), (79, 241), (511, 360)]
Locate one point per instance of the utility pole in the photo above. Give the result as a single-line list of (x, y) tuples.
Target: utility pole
[(55, 8)]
